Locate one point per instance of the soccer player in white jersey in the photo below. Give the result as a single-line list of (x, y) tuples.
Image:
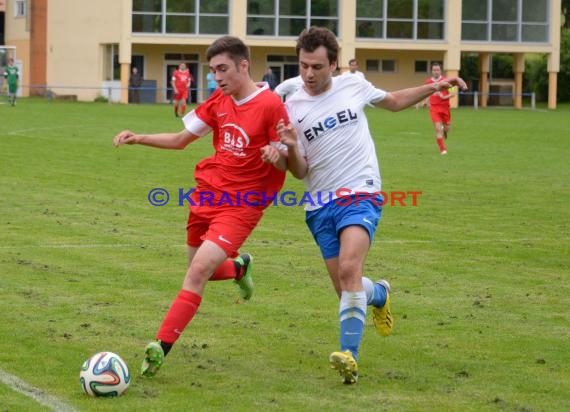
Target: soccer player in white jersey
[(331, 149)]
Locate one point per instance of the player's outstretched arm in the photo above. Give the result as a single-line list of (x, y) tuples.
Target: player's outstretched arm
[(175, 141), (401, 99)]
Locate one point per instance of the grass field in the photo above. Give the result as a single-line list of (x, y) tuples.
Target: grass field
[(479, 270)]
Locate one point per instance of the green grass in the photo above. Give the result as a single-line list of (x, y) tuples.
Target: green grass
[(479, 270)]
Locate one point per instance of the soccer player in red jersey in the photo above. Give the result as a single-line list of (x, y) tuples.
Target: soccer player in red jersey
[(243, 118), (439, 108), (181, 81)]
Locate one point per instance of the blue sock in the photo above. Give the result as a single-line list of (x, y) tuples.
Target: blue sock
[(352, 314), (375, 293)]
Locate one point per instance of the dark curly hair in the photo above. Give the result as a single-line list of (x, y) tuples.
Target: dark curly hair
[(312, 38)]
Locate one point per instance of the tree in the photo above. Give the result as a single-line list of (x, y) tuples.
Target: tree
[(566, 13), (564, 74), (537, 75)]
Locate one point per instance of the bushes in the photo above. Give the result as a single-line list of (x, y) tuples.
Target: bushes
[(536, 72)]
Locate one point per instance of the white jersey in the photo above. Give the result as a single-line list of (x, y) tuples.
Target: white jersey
[(356, 73), (333, 136), (289, 86)]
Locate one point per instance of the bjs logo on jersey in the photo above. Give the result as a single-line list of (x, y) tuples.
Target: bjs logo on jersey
[(235, 139), (341, 118)]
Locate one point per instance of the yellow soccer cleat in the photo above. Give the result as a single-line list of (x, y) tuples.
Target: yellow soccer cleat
[(382, 317), (345, 364)]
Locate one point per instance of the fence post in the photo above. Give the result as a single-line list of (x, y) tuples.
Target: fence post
[(476, 100), (533, 100)]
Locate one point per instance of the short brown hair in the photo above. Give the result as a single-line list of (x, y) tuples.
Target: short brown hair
[(233, 46)]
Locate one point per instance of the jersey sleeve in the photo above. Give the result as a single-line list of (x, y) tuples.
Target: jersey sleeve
[(288, 86), (195, 125), (282, 89), (370, 93), (203, 119)]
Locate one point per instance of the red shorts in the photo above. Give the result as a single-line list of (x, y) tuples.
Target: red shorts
[(227, 227), (440, 115), (183, 95)]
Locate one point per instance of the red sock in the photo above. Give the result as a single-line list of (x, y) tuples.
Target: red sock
[(441, 144), (181, 312), (227, 270)]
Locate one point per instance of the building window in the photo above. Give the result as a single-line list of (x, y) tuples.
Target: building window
[(381, 66), (181, 17), (290, 17), (424, 66), (182, 57), (505, 20), (401, 19), (20, 8), (421, 66), (286, 66), (111, 66)]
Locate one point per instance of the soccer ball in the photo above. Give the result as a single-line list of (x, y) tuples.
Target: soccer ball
[(104, 374)]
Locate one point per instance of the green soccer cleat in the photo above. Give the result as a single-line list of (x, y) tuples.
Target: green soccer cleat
[(382, 317), (345, 364), (153, 359), (245, 283)]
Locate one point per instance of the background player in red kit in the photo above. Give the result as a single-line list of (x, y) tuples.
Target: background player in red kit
[(180, 82), (439, 108), (243, 118)]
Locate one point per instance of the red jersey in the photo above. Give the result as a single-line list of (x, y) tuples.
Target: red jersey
[(181, 79), (434, 99), (240, 130)]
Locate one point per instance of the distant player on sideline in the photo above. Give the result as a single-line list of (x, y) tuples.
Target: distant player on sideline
[(287, 87), (330, 147), (243, 118), (353, 68), (439, 108), (12, 75), (180, 82)]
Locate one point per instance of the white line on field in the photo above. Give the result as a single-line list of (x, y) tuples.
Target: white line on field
[(80, 246), (39, 129), (36, 394), (292, 244)]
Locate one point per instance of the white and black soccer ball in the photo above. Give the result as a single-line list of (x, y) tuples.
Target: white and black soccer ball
[(104, 374)]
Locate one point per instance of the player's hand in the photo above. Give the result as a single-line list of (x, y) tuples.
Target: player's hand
[(457, 82), (449, 83), (125, 137), (270, 154), (286, 133)]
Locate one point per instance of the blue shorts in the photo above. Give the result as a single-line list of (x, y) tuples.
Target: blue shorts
[(327, 222)]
